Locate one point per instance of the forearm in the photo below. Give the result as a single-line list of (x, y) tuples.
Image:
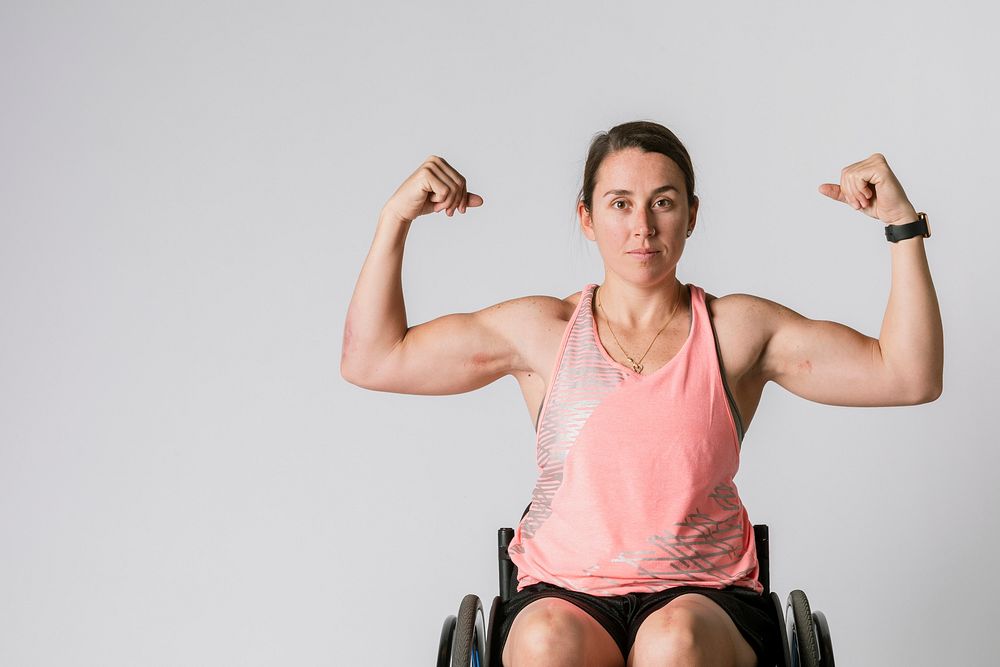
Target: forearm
[(376, 316), (912, 336)]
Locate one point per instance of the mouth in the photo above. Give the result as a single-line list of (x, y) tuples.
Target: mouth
[(643, 253)]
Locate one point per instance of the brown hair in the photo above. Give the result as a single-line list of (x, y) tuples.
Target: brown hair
[(643, 134)]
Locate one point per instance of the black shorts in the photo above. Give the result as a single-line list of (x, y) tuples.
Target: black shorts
[(621, 615)]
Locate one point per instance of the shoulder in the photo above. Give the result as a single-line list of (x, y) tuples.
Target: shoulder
[(529, 324), (533, 309), (745, 324), (740, 305)]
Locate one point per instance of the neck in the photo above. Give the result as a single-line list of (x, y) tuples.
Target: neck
[(641, 308)]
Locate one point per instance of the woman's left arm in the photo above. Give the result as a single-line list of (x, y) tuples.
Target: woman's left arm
[(835, 364)]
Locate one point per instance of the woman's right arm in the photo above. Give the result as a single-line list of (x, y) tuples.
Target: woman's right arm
[(448, 355)]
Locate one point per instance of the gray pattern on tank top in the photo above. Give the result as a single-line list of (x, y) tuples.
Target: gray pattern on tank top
[(581, 382)]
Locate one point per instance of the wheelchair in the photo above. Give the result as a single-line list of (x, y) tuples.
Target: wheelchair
[(465, 641)]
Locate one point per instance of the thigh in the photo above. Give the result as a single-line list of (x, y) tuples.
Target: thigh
[(693, 624), (553, 630)]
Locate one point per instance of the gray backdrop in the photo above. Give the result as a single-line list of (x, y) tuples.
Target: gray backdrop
[(188, 193)]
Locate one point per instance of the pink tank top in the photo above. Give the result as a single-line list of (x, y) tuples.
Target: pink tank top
[(635, 491)]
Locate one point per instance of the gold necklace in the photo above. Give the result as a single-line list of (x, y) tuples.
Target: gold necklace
[(637, 365)]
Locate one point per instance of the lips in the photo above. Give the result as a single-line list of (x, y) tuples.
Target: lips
[(643, 253)]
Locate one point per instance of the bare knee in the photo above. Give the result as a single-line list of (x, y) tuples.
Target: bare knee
[(552, 632), (689, 632), (678, 643), (546, 635)]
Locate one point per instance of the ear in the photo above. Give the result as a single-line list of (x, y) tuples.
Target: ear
[(693, 213), (586, 222)]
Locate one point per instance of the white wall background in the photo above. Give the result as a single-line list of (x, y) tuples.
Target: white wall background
[(188, 191)]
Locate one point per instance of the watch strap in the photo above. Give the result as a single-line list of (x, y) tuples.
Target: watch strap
[(896, 233)]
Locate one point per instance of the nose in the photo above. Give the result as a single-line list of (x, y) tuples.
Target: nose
[(643, 228)]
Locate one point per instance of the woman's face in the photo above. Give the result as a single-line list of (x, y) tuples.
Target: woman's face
[(639, 201)]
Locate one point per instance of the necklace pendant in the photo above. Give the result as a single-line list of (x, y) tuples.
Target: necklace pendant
[(636, 366)]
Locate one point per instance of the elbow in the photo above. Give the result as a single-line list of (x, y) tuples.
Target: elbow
[(937, 386), (363, 370), (353, 368), (364, 377), (351, 375), (929, 395)]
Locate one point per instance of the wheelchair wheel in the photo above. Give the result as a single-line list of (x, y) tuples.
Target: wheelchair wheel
[(444, 647), (492, 632), (468, 644), (785, 656), (823, 636), (801, 632)]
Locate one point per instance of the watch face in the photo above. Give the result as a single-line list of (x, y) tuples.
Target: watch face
[(923, 216)]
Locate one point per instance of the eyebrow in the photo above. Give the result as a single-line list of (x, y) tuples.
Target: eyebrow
[(662, 188)]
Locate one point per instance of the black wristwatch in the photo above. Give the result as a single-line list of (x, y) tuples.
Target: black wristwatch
[(920, 226)]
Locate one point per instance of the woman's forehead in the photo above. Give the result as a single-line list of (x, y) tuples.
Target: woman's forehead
[(630, 169)]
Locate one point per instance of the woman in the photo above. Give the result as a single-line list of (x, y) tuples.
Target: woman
[(636, 549)]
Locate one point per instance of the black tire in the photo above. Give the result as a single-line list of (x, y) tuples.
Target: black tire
[(784, 655), (823, 636), (468, 647), (799, 621), (493, 634), (444, 647)]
